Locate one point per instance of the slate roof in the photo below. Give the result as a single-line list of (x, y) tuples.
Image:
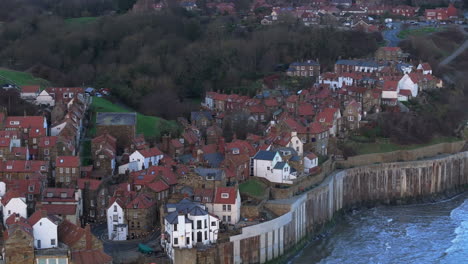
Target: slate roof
[(214, 159), (265, 155), (200, 114), (280, 165), (116, 119), (185, 207), (217, 174)]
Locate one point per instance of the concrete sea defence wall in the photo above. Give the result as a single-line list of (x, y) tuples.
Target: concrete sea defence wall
[(304, 214)]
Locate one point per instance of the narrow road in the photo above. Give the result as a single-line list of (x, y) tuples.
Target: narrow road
[(391, 35)]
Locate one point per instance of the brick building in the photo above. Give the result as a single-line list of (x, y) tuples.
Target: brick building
[(67, 171)]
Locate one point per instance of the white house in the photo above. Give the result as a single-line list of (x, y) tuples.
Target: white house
[(310, 162), (270, 165), (44, 98), (14, 203), (146, 157), (226, 204), (116, 227), (425, 68), (29, 92), (44, 230), (188, 224), (408, 83)]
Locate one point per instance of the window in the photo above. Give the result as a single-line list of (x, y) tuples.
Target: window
[(135, 215), (52, 242), (63, 195), (225, 195), (206, 235), (224, 208), (175, 227), (350, 118), (229, 208), (31, 188), (61, 179), (268, 168), (115, 208), (68, 178), (73, 170), (206, 226), (61, 170), (91, 202), (224, 218), (67, 170), (199, 224), (176, 241), (229, 218), (213, 223)]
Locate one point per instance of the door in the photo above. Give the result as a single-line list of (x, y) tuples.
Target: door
[(199, 236), (39, 243)]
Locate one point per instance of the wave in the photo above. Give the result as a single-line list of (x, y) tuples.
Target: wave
[(458, 251)]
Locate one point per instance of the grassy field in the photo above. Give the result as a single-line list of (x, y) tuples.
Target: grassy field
[(21, 78), (150, 126), (253, 188), (80, 20), (384, 145), (417, 32)]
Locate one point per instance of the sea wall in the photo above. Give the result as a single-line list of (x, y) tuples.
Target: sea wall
[(304, 215), (403, 155), (386, 183)]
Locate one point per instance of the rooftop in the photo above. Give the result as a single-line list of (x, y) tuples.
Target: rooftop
[(116, 119)]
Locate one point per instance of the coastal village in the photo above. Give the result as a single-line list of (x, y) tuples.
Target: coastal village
[(156, 200)]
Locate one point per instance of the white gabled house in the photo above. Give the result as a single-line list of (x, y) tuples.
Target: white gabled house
[(44, 98), (13, 203), (116, 227), (270, 165), (310, 162), (187, 225), (425, 68), (146, 158), (44, 230), (408, 83), (226, 204)]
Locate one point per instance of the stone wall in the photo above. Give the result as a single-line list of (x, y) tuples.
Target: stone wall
[(402, 155)]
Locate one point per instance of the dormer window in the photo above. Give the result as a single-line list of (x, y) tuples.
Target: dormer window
[(46, 142), (9, 167), (224, 195), (63, 195), (322, 119), (31, 188), (49, 194)]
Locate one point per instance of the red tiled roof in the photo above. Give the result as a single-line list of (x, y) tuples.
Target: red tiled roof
[(405, 92), (204, 195), (105, 138), (92, 183), (25, 122), (426, 66), (390, 85), (294, 125), (59, 209), (391, 48), (37, 132), (316, 128), (38, 215), (311, 156), (67, 162), (152, 152), (257, 109), (142, 201), (230, 191), (69, 233), (167, 174), (176, 143), (306, 109), (10, 195), (327, 115), (270, 102), (21, 221), (158, 186), (209, 149), (30, 89)]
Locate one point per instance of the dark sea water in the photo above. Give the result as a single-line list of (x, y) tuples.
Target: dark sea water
[(425, 233)]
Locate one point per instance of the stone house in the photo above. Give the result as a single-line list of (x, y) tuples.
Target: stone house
[(47, 148), (352, 116), (307, 68), (22, 169), (67, 204), (84, 246), (389, 53), (95, 200), (18, 242), (121, 126), (103, 153), (201, 119), (67, 171)]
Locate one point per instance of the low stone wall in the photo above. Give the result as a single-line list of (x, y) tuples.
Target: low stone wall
[(303, 184), (402, 155)]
